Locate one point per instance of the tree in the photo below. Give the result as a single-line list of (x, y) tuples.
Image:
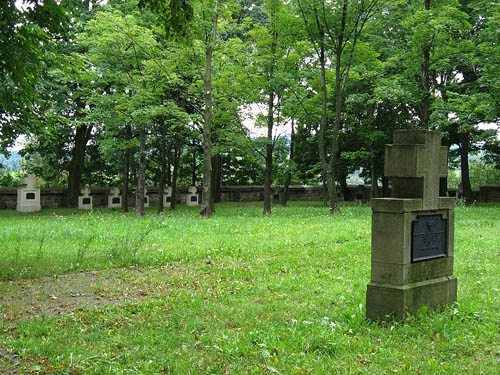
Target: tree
[(25, 32), (335, 27), (132, 72), (271, 62)]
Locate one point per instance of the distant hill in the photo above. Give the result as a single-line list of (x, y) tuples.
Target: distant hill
[(12, 163)]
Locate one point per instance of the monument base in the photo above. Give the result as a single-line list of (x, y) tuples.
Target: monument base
[(28, 208), (388, 301)]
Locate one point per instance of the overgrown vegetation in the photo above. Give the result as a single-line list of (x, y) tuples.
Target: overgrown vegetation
[(240, 294)]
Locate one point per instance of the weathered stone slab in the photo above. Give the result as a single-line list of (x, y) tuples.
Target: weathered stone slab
[(396, 205), (401, 274), (412, 232), (385, 301), (28, 196)]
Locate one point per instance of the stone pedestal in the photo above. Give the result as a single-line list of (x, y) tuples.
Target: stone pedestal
[(114, 198), (192, 197), (28, 197), (412, 232), (167, 197), (85, 201)]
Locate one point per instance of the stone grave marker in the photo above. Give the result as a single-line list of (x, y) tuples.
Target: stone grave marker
[(114, 198), (28, 196), (167, 197), (413, 231), (85, 200), (192, 196)]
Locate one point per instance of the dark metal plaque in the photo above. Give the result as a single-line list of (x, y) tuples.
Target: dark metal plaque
[(428, 240), (86, 201), (115, 200), (30, 195), (194, 198)]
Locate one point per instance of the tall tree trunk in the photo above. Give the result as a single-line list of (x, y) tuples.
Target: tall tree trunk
[(374, 178), (193, 169), (425, 106), (207, 205), (168, 182), (332, 188), (325, 167), (216, 177), (163, 172), (464, 167), (269, 155), (173, 197), (126, 169), (284, 197), (82, 136), (139, 199)]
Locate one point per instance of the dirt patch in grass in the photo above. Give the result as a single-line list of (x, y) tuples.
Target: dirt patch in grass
[(64, 294), (9, 364)]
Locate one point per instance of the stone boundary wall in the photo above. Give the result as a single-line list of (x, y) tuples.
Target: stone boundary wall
[(53, 197), (489, 193)]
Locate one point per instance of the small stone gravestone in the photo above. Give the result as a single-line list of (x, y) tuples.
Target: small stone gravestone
[(114, 198), (85, 200), (276, 196), (192, 196), (28, 197), (412, 232), (167, 197)]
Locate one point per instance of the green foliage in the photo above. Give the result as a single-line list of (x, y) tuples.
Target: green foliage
[(117, 67), (175, 14)]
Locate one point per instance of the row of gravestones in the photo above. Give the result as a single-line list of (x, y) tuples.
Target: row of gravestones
[(28, 197), (412, 232)]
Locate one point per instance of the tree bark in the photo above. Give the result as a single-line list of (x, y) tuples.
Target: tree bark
[(374, 179), (216, 177), (332, 188), (126, 169), (284, 197), (173, 197), (207, 205), (464, 167), (325, 166), (139, 199), (168, 182), (82, 136), (163, 172), (268, 180), (193, 169), (426, 100)]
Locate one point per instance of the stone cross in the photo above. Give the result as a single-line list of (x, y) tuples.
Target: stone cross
[(29, 181), (416, 161), (413, 231)]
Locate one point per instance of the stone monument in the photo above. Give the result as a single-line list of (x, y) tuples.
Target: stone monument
[(192, 196), (114, 198), (85, 201), (412, 232), (167, 197), (28, 196)]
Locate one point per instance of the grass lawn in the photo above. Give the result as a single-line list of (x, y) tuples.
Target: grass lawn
[(107, 293)]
